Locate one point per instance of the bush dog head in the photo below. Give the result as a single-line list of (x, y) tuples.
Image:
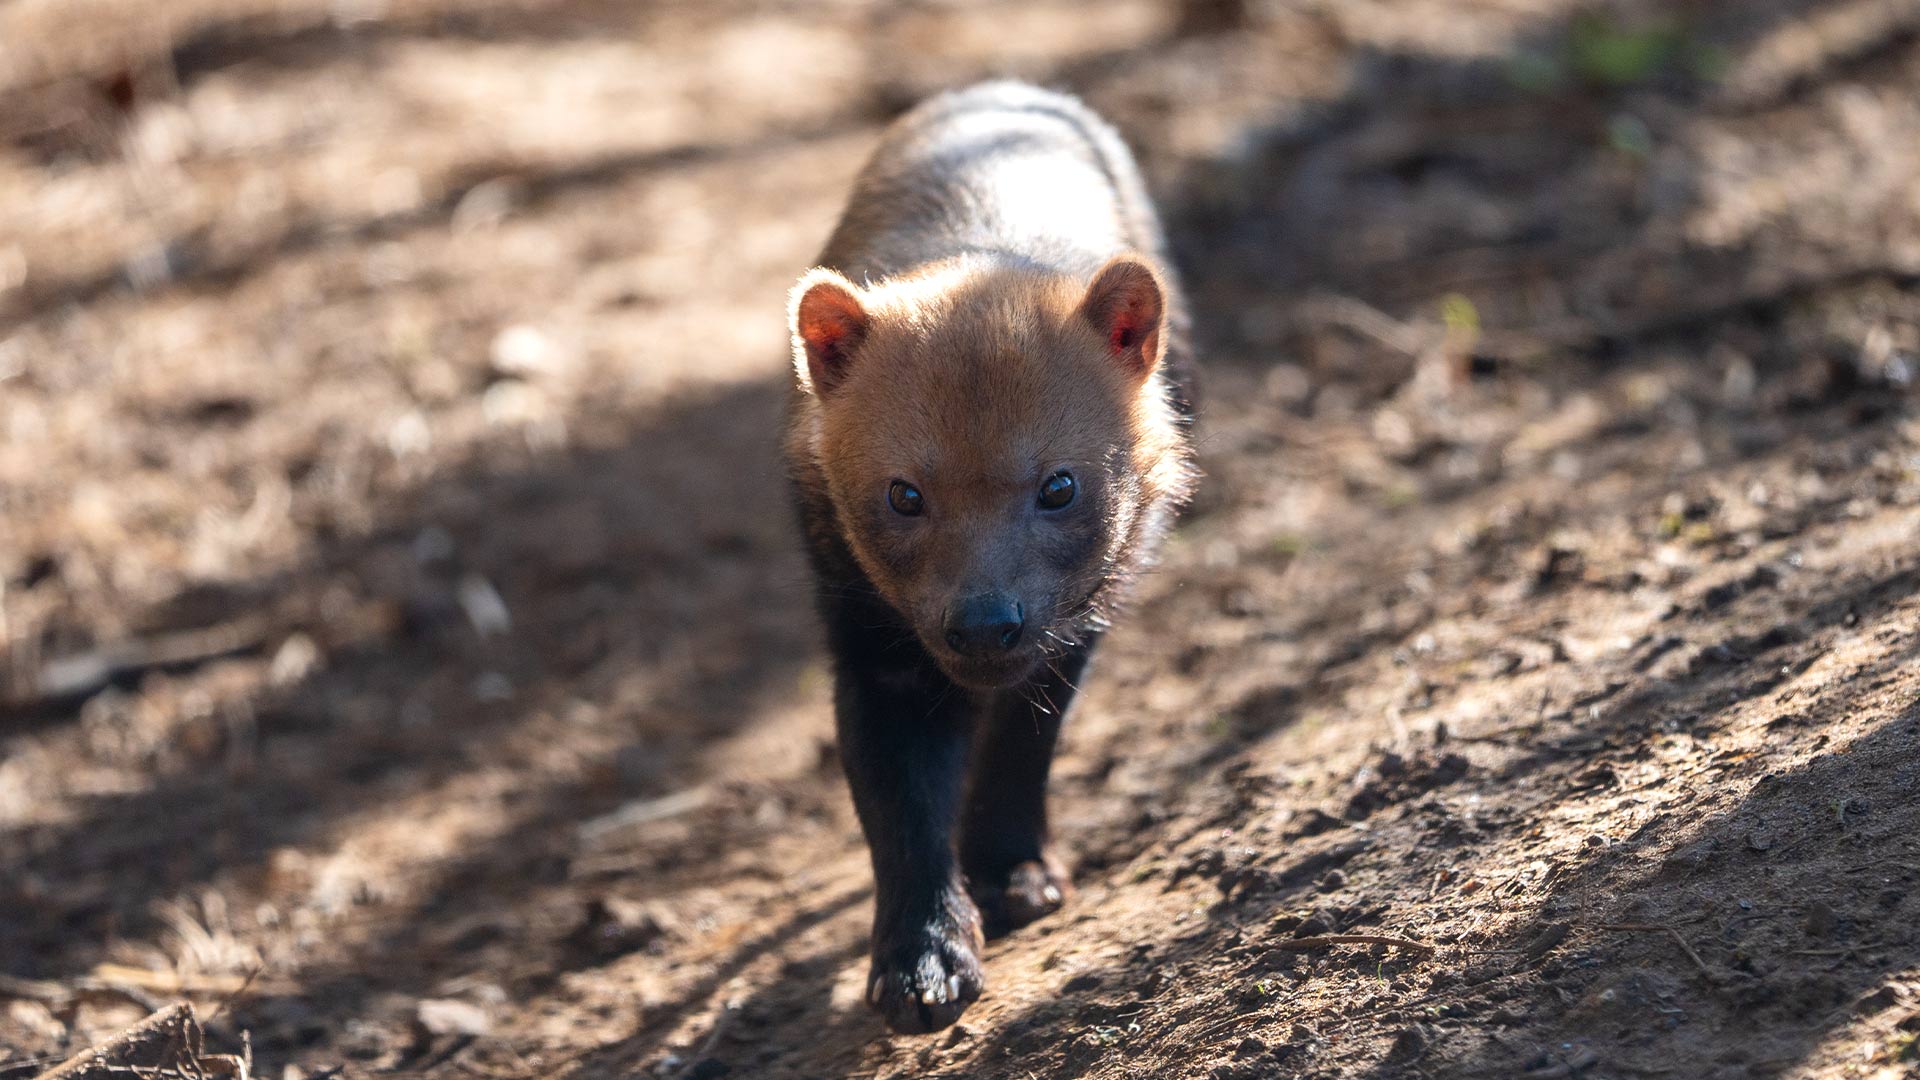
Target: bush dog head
[(995, 441)]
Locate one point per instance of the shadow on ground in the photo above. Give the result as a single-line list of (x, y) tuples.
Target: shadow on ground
[(656, 604), (659, 612)]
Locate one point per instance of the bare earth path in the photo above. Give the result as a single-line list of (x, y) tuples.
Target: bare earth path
[(399, 605)]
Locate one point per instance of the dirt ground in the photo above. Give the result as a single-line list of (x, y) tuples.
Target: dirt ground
[(409, 661)]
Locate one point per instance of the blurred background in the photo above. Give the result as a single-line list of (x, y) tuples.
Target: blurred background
[(405, 655)]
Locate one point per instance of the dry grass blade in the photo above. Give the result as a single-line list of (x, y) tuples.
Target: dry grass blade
[(169, 982)]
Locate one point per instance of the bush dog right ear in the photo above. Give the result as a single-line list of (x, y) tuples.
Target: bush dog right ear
[(1126, 307)]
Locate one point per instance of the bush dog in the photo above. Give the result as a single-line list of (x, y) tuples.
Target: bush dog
[(987, 441)]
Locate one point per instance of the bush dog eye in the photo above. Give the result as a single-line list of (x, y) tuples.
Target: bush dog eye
[(1057, 492), (997, 293), (904, 498)]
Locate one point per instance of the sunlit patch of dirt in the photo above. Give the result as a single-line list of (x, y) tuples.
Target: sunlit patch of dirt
[(408, 659)]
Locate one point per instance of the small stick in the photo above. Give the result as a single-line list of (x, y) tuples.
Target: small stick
[(241, 989), (1352, 313), (1910, 868), (712, 1040), (1321, 941), (85, 674), (160, 1035), (1230, 1023), (643, 811), (1658, 928)]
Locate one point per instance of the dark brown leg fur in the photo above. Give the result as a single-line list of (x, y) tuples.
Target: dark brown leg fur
[(1004, 854)]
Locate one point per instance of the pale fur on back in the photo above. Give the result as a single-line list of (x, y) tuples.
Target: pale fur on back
[(1013, 197), (999, 173), (1002, 169)]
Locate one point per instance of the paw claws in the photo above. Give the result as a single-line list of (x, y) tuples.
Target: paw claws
[(923, 984), (1027, 892)]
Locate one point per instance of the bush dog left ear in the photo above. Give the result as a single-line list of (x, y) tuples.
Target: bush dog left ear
[(1126, 307), (828, 323)]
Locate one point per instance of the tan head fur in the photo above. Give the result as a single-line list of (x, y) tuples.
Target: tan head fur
[(975, 383)]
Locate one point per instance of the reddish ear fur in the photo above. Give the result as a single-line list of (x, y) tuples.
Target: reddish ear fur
[(828, 324), (1126, 306)]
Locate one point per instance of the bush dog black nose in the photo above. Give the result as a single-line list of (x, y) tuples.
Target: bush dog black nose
[(984, 625)]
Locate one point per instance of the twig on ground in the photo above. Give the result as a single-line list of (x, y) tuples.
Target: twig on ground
[(1352, 313), (712, 1040), (1885, 864), (1218, 1027), (241, 989), (160, 1039), (1321, 941), (1658, 928), (643, 811), (82, 675), (1545, 941)]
